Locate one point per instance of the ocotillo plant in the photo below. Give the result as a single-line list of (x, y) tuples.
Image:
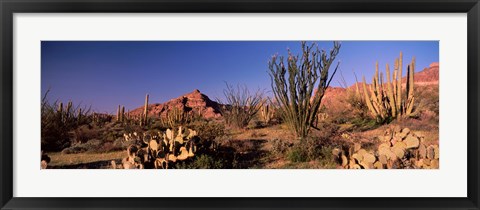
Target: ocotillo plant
[(296, 91), (241, 105), (390, 102)]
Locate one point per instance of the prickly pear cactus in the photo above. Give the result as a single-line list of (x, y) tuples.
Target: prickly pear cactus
[(159, 149), (398, 148)]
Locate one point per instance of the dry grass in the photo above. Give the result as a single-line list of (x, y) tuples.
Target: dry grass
[(59, 159)]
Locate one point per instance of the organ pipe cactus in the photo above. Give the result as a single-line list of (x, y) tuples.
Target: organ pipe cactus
[(266, 112), (386, 100)]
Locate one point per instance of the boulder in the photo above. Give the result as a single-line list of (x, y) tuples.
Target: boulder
[(430, 152), (356, 166), (382, 159), (361, 152), (344, 161), (356, 147), (437, 152), (411, 142), (403, 133), (399, 152), (434, 164), (357, 157), (422, 151), (366, 165), (369, 158), (419, 163), (400, 145), (378, 165)]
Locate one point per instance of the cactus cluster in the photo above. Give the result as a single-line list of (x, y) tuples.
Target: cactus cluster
[(121, 114), (399, 148), (266, 112), (176, 117), (387, 100), (159, 150), (70, 114), (66, 112)]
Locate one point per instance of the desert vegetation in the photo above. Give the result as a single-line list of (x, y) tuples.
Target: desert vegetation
[(390, 123)]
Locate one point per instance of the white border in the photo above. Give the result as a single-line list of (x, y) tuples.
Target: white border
[(449, 181)]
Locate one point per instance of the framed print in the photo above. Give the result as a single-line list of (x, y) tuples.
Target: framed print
[(239, 105)]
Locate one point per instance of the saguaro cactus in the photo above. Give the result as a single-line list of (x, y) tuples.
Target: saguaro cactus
[(145, 110), (118, 113), (60, 111), (122, 114), (80, 115), (390, 102)]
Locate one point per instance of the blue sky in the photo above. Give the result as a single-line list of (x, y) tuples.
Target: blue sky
[(105, 74)]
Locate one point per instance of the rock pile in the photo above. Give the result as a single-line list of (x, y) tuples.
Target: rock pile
[(399, 148)]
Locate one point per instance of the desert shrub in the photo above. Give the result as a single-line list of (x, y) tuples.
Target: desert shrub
[(207, 162), (280, 146), (326, 131), (84, 133), (428, 103), (357, 107), (208, 130), (58, 121), (241, 105), (255, 124), (300, 92), (203, 161), (297, 154), (363, 124), (326, 159), (110, 136), (307, 150), (120, 144), (93, 145), (257, 134)]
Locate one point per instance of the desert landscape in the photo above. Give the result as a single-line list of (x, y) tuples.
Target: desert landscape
[(312, 115)]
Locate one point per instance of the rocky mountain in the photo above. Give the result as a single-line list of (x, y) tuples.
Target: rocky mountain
[(194, 101), (429, 75)]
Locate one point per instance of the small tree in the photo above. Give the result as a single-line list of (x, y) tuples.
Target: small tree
[(241, 105), (300, 92)]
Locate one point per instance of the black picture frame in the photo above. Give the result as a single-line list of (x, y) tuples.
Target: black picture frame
[(9, 7)]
